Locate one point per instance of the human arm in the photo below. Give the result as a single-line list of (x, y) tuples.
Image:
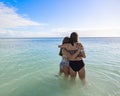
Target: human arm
[(80, 46), (62, 46), (67, 46), (69, 56)]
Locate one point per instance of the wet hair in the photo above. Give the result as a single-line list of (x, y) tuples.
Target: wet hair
[(65, 41), (73, 38)]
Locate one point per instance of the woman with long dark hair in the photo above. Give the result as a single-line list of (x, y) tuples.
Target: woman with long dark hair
[(64, 64), (76, 64)]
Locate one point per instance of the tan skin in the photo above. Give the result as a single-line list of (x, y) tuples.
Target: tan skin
[(77, 46), (65, 69)]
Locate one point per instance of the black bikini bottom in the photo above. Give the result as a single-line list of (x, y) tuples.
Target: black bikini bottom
[(76, 65)]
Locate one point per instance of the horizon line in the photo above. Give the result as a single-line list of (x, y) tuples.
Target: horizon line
[(55, 37)]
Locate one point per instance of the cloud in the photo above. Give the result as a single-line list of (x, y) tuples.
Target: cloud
[(13, 24), (10, 19), (87, 32)]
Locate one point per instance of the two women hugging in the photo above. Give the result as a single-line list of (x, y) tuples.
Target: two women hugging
[(72, 52)]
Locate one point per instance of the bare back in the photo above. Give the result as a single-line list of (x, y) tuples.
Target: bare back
[(70, 47)]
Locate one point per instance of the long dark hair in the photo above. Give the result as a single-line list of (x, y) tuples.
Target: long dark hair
[(65, 41), (73, 38)]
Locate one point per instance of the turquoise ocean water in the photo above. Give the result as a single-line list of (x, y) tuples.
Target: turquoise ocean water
[(28, 68)]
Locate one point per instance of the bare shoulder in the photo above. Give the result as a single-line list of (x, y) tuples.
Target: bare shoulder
[(79, 44)]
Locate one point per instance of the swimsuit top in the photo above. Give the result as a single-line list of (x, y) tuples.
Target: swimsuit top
[(71, 52), (74, 51)]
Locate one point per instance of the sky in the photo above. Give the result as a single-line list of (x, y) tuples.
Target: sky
[(59, 18)]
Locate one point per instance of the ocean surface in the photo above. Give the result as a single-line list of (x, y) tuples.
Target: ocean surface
[(28, 67)]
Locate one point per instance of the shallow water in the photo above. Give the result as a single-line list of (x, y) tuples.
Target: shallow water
[(28, 67)]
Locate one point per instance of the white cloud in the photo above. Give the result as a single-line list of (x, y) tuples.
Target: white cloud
[(15, 25), (91, 32), (10, 19)]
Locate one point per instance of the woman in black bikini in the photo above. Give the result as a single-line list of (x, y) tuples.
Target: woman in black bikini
[(76, 64), (64, 64)]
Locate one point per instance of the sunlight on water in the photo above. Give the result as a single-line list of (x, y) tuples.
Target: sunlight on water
[(28, 67)]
